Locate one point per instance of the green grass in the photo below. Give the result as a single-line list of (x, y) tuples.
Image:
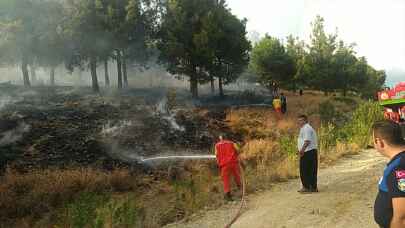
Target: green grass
[(357, 130), (288, 144), (97, 211)]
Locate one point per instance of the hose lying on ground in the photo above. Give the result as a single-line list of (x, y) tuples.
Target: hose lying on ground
[(242, 201), (242, 175)]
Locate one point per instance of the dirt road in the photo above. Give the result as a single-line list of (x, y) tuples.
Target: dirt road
[(346, 199)]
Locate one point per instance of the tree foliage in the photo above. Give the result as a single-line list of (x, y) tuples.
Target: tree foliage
[(271, 62), (201, 39), (324, 64)]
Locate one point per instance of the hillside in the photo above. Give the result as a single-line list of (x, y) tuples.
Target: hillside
[(91, 148)]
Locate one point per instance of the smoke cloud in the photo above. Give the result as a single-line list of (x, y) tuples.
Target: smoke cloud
[(4, 101), (12, 136), (114, 130)]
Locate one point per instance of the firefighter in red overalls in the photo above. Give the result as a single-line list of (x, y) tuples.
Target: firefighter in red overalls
[(226, 152)]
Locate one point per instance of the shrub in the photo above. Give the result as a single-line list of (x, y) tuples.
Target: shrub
[(94, 210), (288, 144), (346, 100), (82, 212), (358, 130), (329, 114)]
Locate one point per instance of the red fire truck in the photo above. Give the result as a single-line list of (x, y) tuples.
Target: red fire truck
[(393, 101)]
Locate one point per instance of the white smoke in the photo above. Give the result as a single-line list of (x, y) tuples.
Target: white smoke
[(173, 123), (115, 130), (12, 136), (164, 112), (8, 100), (29, 93), (162, 107), (4, 101)]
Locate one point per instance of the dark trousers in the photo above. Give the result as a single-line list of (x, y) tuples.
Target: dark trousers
[(283, 108), (309, 169)]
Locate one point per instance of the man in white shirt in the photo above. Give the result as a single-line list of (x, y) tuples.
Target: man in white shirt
[(307, 150)]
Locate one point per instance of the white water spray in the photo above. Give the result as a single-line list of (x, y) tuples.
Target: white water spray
[(177, 157), (132, 156)]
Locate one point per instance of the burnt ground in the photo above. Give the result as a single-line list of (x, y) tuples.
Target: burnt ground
[(66, 127)]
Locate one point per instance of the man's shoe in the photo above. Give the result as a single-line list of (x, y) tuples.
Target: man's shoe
[(303, 190), (228, 196), (314, 189)]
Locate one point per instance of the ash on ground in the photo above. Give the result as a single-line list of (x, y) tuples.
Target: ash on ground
[(67, 127)]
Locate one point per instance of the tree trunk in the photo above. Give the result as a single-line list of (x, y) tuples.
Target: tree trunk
[(52, 76), (33, 74), (119, 69), (106, 76), (194, 86), (80, 76), (220, 87), (124, 69), (93, 71), (212, 84), (24, 68)]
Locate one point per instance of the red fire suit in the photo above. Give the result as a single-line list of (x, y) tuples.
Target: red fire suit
[(227, 158)]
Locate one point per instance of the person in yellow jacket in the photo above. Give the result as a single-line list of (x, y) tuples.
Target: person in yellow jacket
[(277, 104)]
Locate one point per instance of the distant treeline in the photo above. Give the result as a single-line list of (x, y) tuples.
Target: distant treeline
[(326, 63), (198, 39)]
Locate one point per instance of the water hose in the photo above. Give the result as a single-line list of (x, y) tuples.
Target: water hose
[(253, 105), (242, 201), (242, 176)]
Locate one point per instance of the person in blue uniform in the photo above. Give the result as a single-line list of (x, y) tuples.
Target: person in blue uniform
[(389, 207)]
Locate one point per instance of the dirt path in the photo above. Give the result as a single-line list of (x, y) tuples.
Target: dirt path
[(346, 198)]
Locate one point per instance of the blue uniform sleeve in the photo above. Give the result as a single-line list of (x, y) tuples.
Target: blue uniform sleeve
[(396, 182)]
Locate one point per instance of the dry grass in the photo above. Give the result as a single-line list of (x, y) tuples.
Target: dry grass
[(196, 188), (264, 156), (39, 192), (341, 149), (265, 164), (39, 198), (263, 122)]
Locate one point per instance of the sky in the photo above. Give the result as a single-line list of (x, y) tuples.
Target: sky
[(376, 26)]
